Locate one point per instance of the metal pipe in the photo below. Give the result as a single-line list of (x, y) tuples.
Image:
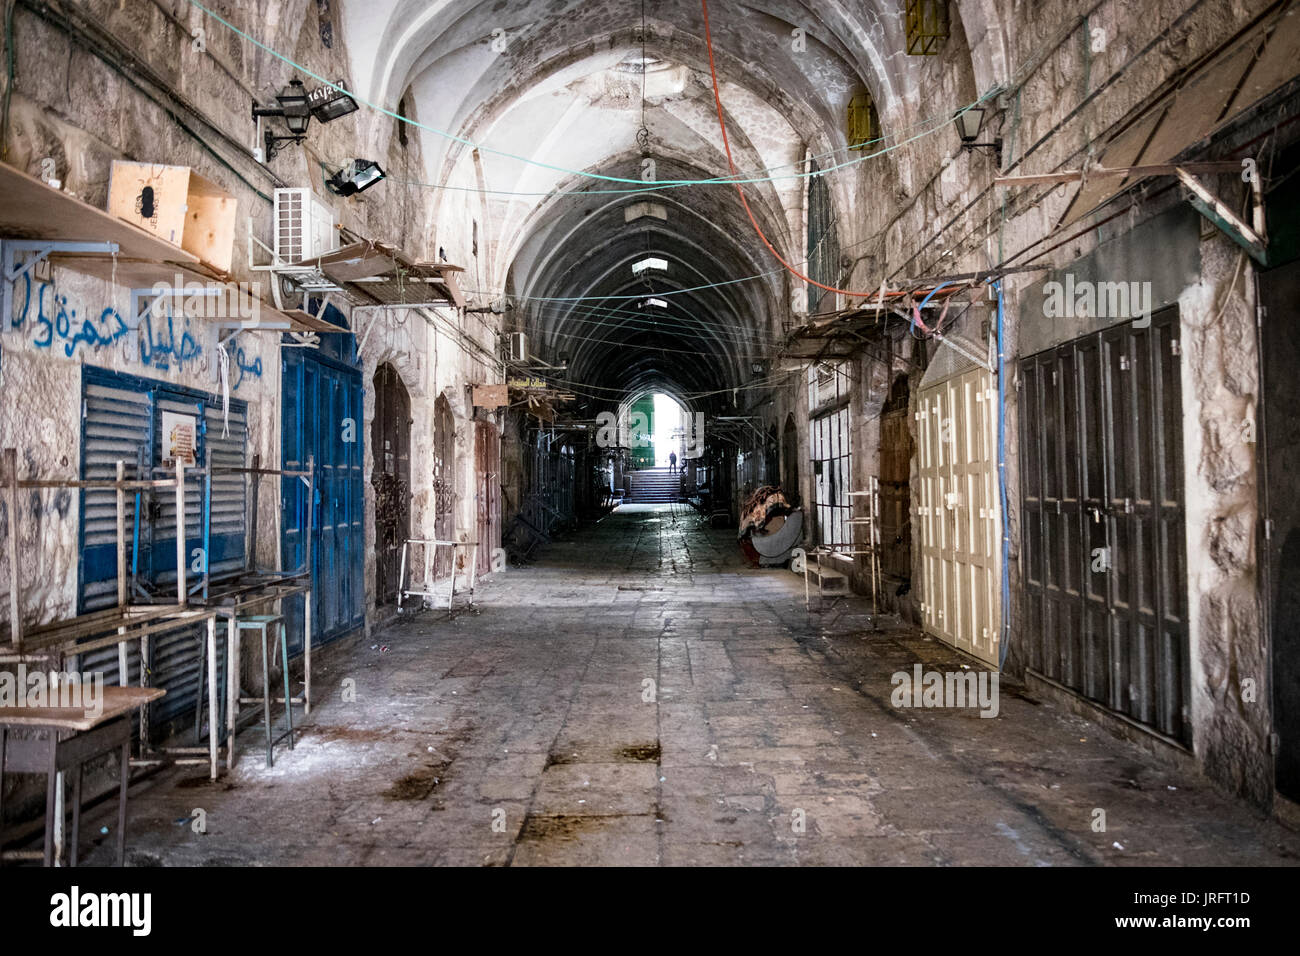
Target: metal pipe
[(182, 598), (11, 503)]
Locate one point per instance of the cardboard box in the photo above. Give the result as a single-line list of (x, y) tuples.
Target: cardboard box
[(178, 205)]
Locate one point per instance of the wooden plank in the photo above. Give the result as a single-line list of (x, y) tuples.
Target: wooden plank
[(453, 288), (33, 210), (71, 630), (116, 702), (359, 260), (306, 322), (142, 273), (1278, 64)]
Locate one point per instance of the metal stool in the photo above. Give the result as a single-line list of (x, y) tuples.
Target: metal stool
[(262, 623)]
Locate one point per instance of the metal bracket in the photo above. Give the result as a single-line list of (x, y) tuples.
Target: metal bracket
[(1250, 238), (11, 270)]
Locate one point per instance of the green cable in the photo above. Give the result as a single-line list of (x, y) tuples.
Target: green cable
[(561, 169)]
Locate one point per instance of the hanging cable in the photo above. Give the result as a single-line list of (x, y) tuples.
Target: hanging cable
[(524, 159), (726, 145)]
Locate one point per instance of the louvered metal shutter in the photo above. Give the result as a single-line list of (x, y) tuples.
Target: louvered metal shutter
[(122, 420), (117, 425)]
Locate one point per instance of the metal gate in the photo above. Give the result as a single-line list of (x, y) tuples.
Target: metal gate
[(1102, 504), (390, 438), (1280, 448), (122, 420), (832, 465), (487, 474), (322, 418), (444, 482), (958, 515)]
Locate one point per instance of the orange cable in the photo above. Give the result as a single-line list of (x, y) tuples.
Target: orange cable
[(726, 145)]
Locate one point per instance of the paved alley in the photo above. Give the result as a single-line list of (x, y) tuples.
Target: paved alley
[(640, 697)]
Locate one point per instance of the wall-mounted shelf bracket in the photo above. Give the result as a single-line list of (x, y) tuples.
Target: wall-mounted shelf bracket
[(36, 252)]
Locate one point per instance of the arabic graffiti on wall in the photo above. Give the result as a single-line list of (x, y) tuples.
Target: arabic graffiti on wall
[(162, 351), (245, 367), (54, 322), (164, 342)]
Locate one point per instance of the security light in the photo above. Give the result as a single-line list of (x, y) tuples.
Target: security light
[(356, 176), (330, 102)]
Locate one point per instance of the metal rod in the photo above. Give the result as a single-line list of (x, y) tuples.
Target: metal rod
[(213, 710), (207, 521), (182, 597), (121, 534), (254, 479), (11, 508)]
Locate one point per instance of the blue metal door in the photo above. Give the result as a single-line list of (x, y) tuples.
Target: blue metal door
[(323, 417)]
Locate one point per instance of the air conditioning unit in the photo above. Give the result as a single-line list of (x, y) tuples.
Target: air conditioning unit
[(304, 226), (518, 347)]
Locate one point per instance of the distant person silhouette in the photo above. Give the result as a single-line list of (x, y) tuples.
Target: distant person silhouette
[(672, 460)]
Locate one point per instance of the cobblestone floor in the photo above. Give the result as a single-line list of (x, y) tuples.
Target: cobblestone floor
[(524, 735)]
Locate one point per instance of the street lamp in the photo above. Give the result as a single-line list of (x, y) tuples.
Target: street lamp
[(969, 123), (293, 109), (296, 107)]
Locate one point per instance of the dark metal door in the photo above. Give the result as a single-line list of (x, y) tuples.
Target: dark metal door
[(390, 438), (487, 468), (1280, 439), (895, 484), (444, 482), (1102, 504)]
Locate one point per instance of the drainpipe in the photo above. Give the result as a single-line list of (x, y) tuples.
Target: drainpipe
[(1002, 487)]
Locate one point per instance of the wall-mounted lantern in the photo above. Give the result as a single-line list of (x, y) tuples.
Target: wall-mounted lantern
[(296, 107), (969, 123)]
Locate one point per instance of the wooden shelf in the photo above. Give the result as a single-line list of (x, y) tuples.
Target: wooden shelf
[(33, 210), (378, 273)]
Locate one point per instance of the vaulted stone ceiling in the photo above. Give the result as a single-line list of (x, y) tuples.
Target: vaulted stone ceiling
[(567, 85)]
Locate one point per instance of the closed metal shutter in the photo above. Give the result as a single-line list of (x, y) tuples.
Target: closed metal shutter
[(122, 420), (958, 516), (117, 424), (1102, 505)]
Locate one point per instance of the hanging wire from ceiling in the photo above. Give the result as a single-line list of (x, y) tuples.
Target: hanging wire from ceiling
[(534, 162), (726, 145)]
